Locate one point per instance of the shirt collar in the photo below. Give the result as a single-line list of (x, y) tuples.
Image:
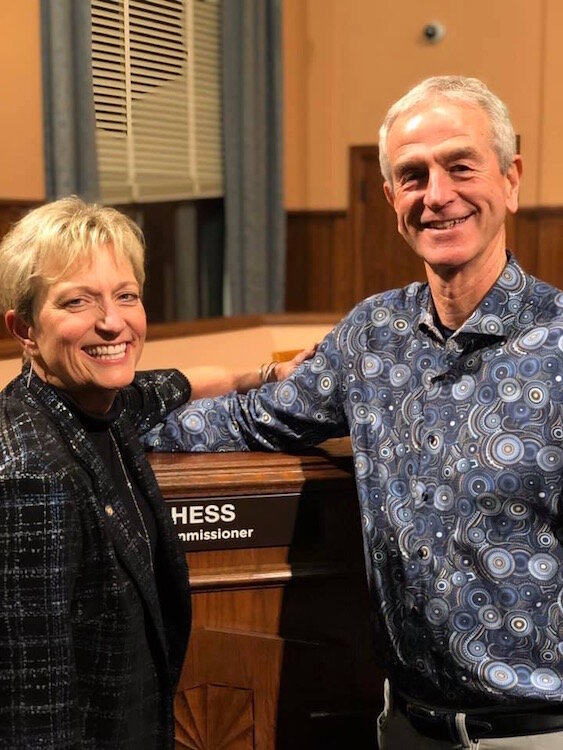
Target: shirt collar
[(494, 314)]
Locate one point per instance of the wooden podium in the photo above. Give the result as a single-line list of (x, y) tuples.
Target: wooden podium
[(281, 655)]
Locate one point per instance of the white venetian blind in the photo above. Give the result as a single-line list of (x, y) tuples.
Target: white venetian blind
[(156, 68)]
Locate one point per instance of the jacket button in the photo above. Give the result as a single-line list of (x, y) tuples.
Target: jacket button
[(109, 510)]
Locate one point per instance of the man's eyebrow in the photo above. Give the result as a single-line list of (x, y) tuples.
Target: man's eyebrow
[(402, 168), (464, 152)]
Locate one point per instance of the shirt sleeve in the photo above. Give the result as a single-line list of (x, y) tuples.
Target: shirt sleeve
[(40, 543), (301, 411), (153, 395)]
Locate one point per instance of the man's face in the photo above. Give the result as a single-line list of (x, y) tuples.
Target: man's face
[(447, 188)]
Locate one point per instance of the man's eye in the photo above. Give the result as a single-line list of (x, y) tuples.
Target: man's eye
[(460, 168), (414, 175)]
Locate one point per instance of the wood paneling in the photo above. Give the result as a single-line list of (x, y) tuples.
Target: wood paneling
[(281, 656), (318, 275)]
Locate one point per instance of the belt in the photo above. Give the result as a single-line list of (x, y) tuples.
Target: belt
[(439, 724)]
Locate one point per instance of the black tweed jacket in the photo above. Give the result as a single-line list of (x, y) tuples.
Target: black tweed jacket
[(91, 642)]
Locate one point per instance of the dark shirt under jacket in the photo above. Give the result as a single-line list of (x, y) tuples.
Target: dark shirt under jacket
[(459, 466), (91, 640)]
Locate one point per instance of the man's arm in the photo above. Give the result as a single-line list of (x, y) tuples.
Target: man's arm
[(207, 382), (39, 539), (302, 410)]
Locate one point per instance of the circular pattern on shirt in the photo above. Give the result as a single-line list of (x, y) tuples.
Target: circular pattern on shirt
[(519, 623), (326, 383), (194, 423), (464, 388), (499, 562), (380, 316), (534, 339), (436, 611), (550, 458), (512, 279), (491, 324), (535, 394), (517, 510), (444, 497), (500, 675), (399, 324), (543, 566), (545, 679), (287, 393), (399, 375), (363, 464), (371, 365), (490, 617), (318, 363), (509, 389), (507, 449)]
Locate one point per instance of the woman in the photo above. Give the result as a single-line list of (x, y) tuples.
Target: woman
[(94, 612)]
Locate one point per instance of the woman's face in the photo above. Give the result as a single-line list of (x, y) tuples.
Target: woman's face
[(88, 331)]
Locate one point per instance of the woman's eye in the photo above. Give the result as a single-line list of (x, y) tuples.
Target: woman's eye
[(75, 302), (129, 297)]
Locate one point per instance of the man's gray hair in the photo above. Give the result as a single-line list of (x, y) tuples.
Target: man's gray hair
[(470, 91)]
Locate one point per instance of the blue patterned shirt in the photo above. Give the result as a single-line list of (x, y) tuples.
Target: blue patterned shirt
[(458, 458)]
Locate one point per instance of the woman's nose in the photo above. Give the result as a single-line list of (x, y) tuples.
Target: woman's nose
[(110, 318)]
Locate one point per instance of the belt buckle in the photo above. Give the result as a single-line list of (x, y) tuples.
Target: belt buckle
[(431, 723)]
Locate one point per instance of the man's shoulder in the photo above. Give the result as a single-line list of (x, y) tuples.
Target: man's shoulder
[(381, 307), (543, 300)]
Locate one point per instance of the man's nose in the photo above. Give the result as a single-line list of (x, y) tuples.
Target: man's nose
[(439, 189)]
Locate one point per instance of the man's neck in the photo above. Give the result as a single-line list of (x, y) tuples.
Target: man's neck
[(457, 292)]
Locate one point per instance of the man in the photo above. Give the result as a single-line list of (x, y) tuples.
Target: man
[(452, 393)]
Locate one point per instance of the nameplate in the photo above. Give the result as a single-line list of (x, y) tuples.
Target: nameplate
[(230, 523)]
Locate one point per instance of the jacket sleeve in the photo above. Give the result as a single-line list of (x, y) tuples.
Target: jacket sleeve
[(40, 543), (301, 411), (153, 395)]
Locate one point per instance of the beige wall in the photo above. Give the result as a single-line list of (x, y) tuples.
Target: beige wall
[(21, 129), (346, 61)]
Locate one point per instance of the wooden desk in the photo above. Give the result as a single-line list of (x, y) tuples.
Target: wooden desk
[(280, 654)]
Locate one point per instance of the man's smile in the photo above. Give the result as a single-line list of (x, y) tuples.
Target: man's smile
[(444, 223)]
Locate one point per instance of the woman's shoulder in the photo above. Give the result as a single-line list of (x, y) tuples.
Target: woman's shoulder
[(29, 439)]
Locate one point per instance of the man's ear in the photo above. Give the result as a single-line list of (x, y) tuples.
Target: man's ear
[(21, 331), (388, 190), (513, 184)]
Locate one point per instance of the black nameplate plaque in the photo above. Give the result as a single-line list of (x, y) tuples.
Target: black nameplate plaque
[(230, 523)]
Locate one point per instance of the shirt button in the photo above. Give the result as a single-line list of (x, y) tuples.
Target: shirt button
[(433, 441), (109, 510), (424, 552)]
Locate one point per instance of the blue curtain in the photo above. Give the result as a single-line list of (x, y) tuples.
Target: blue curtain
[(252, 120), (68, 102)]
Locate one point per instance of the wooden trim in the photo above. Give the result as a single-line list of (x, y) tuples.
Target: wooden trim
[(186, 475), (261, 576)]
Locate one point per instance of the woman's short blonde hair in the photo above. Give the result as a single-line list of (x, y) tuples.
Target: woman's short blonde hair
[(43, 246)]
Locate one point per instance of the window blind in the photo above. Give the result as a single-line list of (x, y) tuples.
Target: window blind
[(156, 68)]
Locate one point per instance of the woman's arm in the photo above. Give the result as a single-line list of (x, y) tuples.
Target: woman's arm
[(215, 381)]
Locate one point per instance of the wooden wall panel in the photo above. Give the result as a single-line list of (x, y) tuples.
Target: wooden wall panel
[(319, 269)]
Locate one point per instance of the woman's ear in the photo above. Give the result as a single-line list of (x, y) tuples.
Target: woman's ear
[(21, 331)]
